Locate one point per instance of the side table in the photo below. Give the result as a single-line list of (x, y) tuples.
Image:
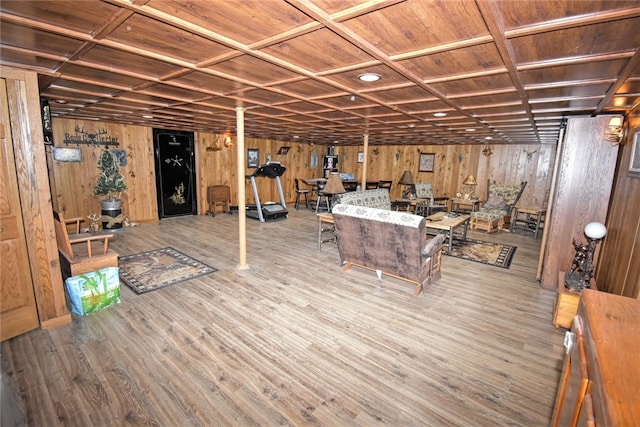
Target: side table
[(467, 204), (531, 216), (566, 304)]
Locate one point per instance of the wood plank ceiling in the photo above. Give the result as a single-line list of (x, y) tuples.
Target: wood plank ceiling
[(506, 70)]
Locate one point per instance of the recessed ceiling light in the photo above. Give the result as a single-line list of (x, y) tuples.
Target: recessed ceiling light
[(488, 138), (369, 77), (441, 114), (61, 101), (147, 116), (470, 129)]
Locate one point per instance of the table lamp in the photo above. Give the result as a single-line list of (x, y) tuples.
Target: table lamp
[(469, 186), (581, 272), (407, 179), (334, 184)]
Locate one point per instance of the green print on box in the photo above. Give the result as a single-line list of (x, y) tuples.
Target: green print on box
[(94, 291)]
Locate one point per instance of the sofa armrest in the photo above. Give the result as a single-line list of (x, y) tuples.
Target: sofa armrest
[(433, 246)]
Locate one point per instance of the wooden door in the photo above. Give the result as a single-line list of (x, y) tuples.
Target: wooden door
[(18, 311)]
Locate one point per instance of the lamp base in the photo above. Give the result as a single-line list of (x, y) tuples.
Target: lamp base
[(576, 282)]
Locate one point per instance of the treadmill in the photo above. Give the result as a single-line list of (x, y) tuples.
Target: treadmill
[(273, 211)]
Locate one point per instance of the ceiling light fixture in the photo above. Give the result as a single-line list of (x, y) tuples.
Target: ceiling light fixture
[(147, 116), (369, 77), (440, 114)]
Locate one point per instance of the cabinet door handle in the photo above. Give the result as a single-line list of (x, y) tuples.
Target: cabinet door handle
[(569, 340)]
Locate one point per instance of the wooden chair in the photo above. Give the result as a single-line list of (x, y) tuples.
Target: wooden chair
[(300, 192), (371, 185), (350, 185), (321, 195), (82, 253), (385, 184), (219, 195)]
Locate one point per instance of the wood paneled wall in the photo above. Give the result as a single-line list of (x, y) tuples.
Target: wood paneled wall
[(618, 269), (73, 182), (582, 192)]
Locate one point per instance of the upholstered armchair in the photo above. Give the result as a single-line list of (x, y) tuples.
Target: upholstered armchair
[(495, 213), (424, 190)]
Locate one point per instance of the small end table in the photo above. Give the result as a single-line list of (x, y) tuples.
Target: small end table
[(531, 216), (468, 204)]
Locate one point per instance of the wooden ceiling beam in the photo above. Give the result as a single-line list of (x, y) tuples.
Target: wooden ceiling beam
[(490, 13), (573, 21), (633, 64)]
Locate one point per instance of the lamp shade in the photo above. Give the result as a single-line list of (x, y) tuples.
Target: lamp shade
[(334, 184), (470, 180), (615, 122), (406, 178), (595, 230)]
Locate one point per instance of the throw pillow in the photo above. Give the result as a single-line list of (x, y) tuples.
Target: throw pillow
[(495, 203)]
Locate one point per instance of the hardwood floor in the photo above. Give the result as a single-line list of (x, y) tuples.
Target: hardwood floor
[(293, 340)]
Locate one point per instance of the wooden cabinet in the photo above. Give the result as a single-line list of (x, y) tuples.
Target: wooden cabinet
[(566, 304), (600, 378)]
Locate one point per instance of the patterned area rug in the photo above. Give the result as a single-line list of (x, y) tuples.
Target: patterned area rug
[(148, 271), (483, 252)]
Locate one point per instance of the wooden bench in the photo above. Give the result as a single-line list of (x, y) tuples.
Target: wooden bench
[(82, 253)]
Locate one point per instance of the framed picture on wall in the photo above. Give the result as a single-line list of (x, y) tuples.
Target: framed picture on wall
[(634, 162), (360, 157), (313, 161), (427, 161), (253, 158)]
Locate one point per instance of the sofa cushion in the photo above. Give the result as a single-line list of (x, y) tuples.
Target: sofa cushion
[(378, 198), (495, 203), (405, 219), (424, 190), (509, 193)]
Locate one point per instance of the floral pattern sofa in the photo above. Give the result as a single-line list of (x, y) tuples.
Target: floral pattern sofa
[(378, 198)]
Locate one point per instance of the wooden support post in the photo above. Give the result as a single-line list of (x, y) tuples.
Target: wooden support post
[(242, 204)]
